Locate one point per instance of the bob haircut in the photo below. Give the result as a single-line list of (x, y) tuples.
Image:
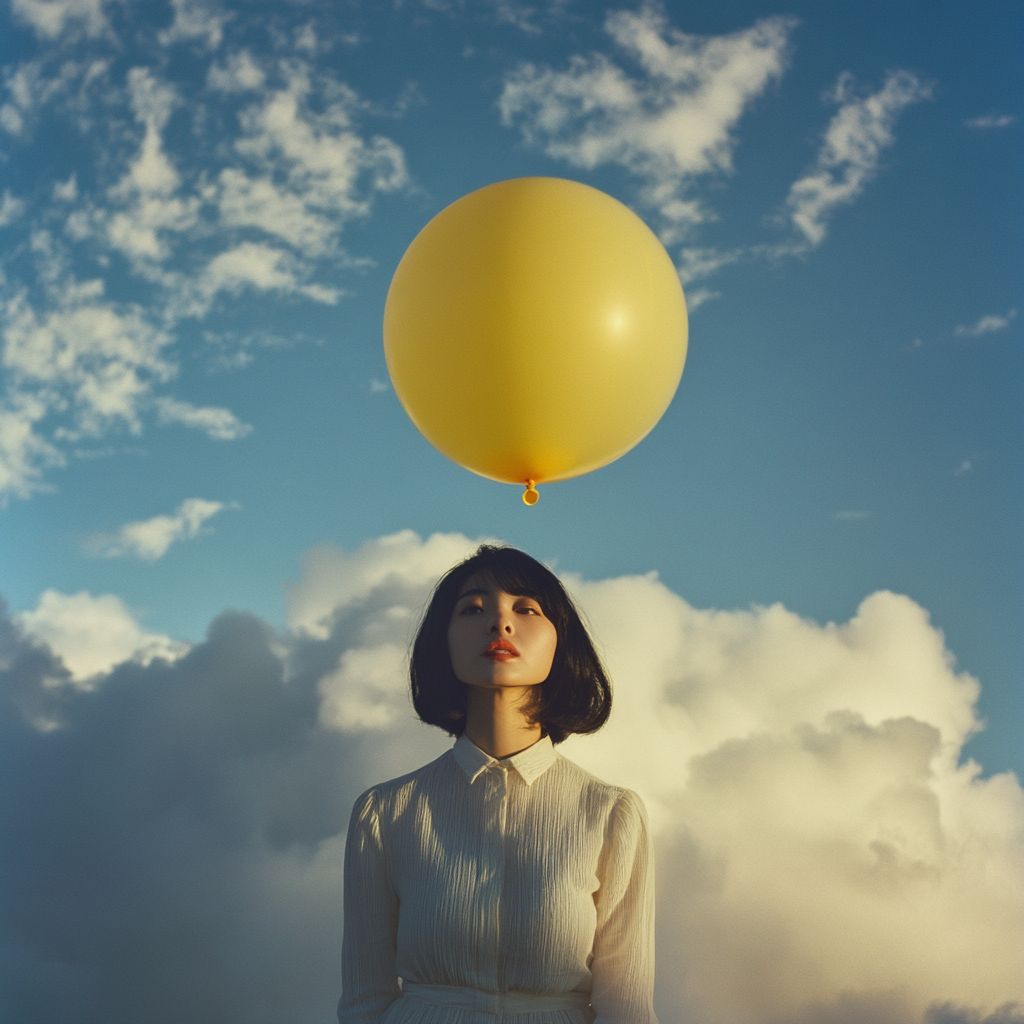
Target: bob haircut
[(576, 697)]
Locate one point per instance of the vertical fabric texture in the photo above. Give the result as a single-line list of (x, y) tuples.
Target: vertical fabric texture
[(500, 892)]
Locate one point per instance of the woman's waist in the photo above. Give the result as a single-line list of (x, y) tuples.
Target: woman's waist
[(498, 1003)]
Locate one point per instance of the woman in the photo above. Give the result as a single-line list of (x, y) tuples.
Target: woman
[(501, 883)]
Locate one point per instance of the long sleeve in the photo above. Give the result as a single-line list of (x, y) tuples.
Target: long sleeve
[(623, 964), (369, 948)]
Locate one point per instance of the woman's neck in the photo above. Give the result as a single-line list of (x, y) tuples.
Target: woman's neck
[(495, 721)]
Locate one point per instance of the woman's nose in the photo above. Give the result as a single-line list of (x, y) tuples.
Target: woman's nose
[(501, 623)]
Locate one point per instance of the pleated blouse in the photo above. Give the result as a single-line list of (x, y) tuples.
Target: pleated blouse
[(480, 891)]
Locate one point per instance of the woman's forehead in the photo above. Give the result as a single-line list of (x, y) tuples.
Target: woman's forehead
[(485, 584)]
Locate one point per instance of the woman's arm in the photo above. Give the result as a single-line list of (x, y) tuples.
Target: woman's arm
[(368, 973), (623, 965)]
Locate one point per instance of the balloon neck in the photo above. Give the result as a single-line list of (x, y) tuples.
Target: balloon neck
[(530, 495)]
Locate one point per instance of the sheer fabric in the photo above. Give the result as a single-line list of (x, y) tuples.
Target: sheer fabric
[(501, 892)]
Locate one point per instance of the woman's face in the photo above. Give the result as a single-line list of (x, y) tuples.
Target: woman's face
[(497, 639)]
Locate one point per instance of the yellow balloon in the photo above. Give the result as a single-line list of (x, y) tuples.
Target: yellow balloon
[(535, 330)]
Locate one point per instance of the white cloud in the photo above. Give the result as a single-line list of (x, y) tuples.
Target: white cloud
[(93, 634), (149, 539), (854, 141), (333, 579), (817, 835), (50, 18), (220, 424), (23, 453), (986, 325), (240, 73), (696, 263), (671, 125), (146, 194), (316, 171), (367, 690), (100, 359), (991, 121), (195, 19)]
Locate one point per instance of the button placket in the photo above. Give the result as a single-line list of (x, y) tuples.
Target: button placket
[(498, 793)]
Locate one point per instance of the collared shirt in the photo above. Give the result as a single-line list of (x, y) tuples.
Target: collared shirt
[(513, 891)]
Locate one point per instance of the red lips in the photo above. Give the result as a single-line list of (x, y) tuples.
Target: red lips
[(501, 650)]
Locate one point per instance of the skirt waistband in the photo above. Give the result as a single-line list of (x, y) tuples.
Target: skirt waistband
[(462, 998)]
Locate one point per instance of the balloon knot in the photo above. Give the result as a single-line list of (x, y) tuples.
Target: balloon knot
[(530, 495)]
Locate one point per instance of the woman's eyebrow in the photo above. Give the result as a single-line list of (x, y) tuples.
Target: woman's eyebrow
[(475, 590)]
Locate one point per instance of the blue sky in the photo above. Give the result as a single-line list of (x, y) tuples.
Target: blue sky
[(203, 204)]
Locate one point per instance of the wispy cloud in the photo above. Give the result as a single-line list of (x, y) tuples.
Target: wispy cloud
[(991, 121), (672, 124), (149, 539), (986, 325), (854, 141)]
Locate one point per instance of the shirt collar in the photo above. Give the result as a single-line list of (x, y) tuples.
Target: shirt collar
[(530, 763)]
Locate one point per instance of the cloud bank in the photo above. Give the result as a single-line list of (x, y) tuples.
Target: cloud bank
[(171, 842)]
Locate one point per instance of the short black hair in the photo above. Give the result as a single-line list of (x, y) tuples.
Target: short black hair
[(576, 697)]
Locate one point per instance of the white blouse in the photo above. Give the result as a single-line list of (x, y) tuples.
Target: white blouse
[(518, 891)]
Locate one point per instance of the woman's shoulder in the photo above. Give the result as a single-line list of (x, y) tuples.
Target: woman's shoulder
[(590, 786), (400, 789)]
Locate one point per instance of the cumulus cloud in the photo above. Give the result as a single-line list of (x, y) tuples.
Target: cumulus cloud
[(854, 141), (986, 325), (149, 539), (90, 635), (823, 855), (675, 122)]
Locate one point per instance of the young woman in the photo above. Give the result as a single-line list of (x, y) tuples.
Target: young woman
[(501, 883)]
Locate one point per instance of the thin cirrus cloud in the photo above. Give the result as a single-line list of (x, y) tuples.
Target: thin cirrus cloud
[(823, 854), (197, 221), (990, 324), (149, 539)]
